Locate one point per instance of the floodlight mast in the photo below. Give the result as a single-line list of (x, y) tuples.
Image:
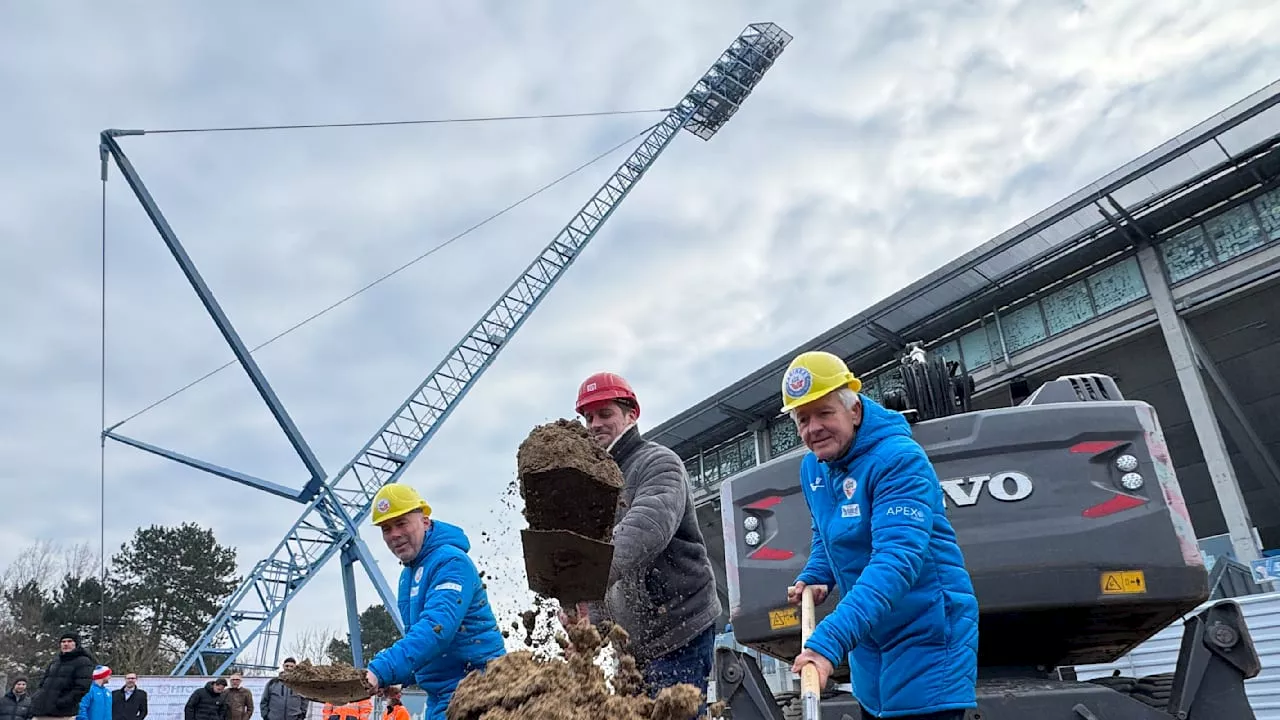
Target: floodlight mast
[(335, 507)]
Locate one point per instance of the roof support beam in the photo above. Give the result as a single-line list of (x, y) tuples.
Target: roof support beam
[(1236, 423), (887, 336), (1222, 475), (736, 414), (1187, 364)]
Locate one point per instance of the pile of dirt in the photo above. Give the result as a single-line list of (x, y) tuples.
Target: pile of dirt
[(523, 686), (338, 684), (571, 489)]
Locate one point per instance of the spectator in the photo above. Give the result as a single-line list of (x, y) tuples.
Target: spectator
[(206, 703), (96, 704), (281, 703), (239, 699), (129, 702), (16, 704), (65, 682), (395, 709)]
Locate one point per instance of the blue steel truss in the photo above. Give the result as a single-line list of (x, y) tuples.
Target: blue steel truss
[(335, 507)]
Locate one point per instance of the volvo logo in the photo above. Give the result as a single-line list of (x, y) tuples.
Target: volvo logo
[(1007, 486)]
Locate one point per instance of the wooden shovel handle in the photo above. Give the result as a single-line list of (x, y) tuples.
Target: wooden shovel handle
[(808, 673)]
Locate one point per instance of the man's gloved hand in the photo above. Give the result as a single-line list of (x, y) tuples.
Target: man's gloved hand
[(795, 592)]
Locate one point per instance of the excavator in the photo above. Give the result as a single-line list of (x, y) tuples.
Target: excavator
[(1076, 536)]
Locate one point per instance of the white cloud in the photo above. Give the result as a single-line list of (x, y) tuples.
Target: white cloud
[(883, 144)]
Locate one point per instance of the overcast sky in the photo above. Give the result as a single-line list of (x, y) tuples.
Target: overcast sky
[(889, 138)]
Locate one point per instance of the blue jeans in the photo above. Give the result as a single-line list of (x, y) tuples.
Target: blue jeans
[(690, 664)]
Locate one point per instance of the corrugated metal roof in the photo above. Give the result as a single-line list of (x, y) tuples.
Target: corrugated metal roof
[(1160, 654), (1067, 227)]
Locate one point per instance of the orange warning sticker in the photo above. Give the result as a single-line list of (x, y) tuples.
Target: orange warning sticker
[(784, 618), (1124, 582)]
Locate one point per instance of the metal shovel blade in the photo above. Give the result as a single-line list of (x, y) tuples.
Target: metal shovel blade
[(566, 566)]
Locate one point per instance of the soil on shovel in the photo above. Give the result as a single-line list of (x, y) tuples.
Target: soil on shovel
[(524, 686), (571, 489), (567, 481), (338, 684)]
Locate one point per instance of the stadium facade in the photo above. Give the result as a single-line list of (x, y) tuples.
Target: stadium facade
[(1163, 274)]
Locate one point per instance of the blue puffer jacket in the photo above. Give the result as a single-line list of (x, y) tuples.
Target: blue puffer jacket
[(449, 628), (907, 619), (95, 705)]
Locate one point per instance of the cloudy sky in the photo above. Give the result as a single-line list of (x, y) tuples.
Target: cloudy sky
[(889, 138)]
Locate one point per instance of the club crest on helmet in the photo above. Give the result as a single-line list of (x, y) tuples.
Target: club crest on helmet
[(799, 380)]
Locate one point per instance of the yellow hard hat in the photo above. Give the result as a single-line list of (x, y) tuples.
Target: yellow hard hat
[(813, 375), (394, 500)]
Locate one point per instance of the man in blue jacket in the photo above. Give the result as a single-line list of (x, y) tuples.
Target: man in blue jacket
[(449, 628), (908, 618), (96, 704)]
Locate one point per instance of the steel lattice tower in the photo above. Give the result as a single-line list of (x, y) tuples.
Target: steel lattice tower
[(336, 504)]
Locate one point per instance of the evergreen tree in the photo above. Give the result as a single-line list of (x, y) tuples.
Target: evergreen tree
[(377, 633), (174, 580)]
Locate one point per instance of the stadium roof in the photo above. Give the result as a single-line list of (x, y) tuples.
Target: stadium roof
[(1197, 169)]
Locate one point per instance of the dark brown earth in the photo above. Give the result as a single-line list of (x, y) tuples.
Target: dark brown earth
[(338, 684), (523, 686), (567, 481), (571, 489)]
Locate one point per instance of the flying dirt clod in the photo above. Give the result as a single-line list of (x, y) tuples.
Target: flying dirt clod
[(571, 489)]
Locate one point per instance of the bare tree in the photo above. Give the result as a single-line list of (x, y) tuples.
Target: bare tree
[(48, 562), (38, 562), (81, 561), (313, 644)]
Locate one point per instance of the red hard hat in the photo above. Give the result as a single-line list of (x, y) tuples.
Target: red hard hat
[(605, 386)]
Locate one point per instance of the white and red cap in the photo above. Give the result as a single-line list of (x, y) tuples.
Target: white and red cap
[(101, 672)]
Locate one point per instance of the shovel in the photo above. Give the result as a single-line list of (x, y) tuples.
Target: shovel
[(810, 690), (337, 684), (567, 548)]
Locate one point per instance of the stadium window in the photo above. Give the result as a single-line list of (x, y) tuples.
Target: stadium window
[(694, 467), (1186, 254), (948, 351), (783, 437), (1023, 327), (1234, 232), (1117, 285), (975, 349), (730, 463), (747, 450), (1068, 307), (1268, 207)]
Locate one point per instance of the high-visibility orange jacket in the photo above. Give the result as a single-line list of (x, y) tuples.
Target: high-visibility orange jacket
[(351, 711)]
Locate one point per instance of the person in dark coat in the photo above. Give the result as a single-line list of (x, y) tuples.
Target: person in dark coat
[(207, 703), (65, 681), (281, 703), (16, 704), (128, 702)]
